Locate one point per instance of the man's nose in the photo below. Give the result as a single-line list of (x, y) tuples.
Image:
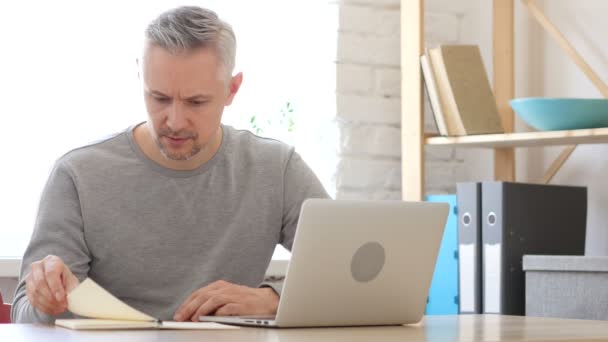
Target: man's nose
[(176, 118)]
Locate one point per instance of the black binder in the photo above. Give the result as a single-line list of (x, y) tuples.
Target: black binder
[(469, 247), (520, 219)]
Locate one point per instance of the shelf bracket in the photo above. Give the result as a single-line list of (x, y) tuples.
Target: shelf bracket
[(566, 46), (557, 163), (561, 40)]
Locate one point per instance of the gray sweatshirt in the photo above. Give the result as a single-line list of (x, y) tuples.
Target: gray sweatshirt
[(152, 235)]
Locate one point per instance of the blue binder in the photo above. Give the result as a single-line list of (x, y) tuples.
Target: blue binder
[(443, 295)]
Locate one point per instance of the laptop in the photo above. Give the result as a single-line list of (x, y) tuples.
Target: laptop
[(357, 263)]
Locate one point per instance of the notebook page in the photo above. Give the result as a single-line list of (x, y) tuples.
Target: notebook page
[(91, 300)]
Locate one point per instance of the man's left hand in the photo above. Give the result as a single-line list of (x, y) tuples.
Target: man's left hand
[(222, 298)]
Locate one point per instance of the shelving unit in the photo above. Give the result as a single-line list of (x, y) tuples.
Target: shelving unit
[(413, 138), (524, 139)]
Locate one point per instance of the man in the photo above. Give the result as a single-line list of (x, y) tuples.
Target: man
[(179, 215)]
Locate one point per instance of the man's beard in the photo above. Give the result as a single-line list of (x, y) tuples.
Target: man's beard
[(196, 148)]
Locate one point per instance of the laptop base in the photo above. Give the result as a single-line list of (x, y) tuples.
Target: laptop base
[(250, 321)]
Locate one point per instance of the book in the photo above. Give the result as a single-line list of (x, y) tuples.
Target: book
[(519, 219), (469, 247), (106, 312), (449, 108), (467, 99), (433, 95)]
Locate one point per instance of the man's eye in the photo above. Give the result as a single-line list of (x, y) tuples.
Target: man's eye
[(197, 102), (161, 99)]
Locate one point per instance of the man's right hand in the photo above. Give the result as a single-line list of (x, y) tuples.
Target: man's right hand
[(48, 283)]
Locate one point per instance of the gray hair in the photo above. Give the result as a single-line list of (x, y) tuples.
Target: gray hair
[(186, 28)]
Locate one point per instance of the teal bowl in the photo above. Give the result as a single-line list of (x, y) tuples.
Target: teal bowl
[(554, 114)]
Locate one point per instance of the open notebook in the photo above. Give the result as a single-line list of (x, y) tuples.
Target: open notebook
[(108, 312)]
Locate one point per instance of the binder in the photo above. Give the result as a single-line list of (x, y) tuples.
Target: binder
[(443, 294), (469, 247), (518, 219)]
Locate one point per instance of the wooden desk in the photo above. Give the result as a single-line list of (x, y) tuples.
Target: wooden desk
[(434, 328)]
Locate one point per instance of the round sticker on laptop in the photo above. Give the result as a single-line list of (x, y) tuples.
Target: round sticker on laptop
[(367, 262)]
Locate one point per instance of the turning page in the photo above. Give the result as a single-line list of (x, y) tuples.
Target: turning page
[(91, 300), (108, 312)]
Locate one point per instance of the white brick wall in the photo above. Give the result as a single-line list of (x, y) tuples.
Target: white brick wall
[(365, 20), (368, 108), (354, 79), (368, 174), (368, 101), (368, 49), (385, 4), (370, 140), (388, 82)]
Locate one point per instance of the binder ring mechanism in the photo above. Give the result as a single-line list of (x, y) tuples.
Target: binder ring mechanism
[(491, 218), (466, 219)]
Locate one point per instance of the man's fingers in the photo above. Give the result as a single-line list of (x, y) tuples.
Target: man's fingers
[(44, 286), (42, 307), (69, 280), (231, 309), (193, 302), (41, 288), (187, 301), (41, 303), (53, 270), (201, 296), (227, 300), (187, 309), (210, 306), (49, 308), (216, 285)]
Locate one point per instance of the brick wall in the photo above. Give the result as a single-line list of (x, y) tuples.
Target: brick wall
[(368, 101)]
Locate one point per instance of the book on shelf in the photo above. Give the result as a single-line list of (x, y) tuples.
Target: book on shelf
[(466, 103), (447, 110), (107, 312), (433, 95)]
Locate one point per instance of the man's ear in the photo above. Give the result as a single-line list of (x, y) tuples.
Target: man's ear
[(233, 87)]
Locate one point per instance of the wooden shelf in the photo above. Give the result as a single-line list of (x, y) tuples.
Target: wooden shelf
[(413, 139), (524, 139)]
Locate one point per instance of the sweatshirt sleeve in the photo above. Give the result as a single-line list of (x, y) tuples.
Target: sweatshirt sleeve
[(59, 230), (300, 183)]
